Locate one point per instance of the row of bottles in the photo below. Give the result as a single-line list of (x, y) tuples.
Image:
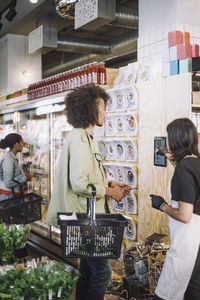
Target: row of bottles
[(90, 73)]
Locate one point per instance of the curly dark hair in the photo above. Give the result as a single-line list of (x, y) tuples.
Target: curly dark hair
[(182, 139), (82, 105)]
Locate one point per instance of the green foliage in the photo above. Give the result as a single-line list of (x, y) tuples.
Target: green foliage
[(12, 237), (35, 283)]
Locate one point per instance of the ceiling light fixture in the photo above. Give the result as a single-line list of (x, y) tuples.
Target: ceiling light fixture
[(12, 12), (26, 74), (65, 8), (33, 1)]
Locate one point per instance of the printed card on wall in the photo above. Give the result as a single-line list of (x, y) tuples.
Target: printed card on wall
[(120, 205), (110, 172), (44, 186), (110, 106), (119, 125), (110, 150), (130, 229), (109, 126), (119, 173), (102, 149), (119, 99), (131, 150), (131, 124), (120, 150), (131, 175), (131, 203), (131, 97)]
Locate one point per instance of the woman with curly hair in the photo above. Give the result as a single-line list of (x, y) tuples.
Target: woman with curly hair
[(80, 165), (181, 271)]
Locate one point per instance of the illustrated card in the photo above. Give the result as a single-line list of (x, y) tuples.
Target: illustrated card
[(131, 98), (131, 124), (109, 126), (131, 203)]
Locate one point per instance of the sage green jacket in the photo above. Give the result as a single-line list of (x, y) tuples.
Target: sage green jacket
[(79, 165)]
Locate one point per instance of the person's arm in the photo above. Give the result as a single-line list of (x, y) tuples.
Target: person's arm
[(79, 168), (115, 192), (185, 190), (121, 184), (183, 213), (8, 171)]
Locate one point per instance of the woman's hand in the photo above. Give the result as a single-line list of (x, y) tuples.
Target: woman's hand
[(28, 176), (115, 192), (123, 185)]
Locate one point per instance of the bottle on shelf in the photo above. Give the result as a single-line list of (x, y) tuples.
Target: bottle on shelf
[(95, 73), (102, 73)]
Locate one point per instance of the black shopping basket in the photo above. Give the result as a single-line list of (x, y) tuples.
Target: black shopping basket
[(92, 235), (22, 209)]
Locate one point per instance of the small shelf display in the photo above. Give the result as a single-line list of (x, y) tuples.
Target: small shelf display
[(118, 141)]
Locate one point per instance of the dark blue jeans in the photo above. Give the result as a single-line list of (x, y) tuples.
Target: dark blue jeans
[(94, 279)]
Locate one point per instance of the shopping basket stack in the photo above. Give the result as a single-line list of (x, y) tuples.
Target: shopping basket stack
[(22, 209), (91, 235)]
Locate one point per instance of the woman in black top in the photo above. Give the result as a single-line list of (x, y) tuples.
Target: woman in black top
[(181, 271)]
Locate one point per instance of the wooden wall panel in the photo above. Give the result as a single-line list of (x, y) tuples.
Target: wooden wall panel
[(160, 102)]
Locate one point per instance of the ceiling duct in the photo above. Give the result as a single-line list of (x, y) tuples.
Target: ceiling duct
[(80, 45), (117, 47), (93, 14), (124, 18)]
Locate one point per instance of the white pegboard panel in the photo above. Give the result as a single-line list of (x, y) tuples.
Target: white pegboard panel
[(35, 39), (41, 39), (92, 14)]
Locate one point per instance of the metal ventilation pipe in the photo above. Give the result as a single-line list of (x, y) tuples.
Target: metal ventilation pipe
[(80, 45), (124, 18), (117, 47)]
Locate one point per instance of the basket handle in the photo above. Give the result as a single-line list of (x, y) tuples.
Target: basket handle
[(91, 204)]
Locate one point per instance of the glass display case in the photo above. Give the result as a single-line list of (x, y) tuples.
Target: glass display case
[(59, 132), (44, 130)]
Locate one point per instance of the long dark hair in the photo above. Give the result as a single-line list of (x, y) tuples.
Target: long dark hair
[(182, 139), (10, 140)]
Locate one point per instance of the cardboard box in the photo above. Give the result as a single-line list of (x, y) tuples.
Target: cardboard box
[(111, 74), (195, 50), (174, 67), (185, 65), (184, 51), (186, 37), (195, 97), (175, 38)]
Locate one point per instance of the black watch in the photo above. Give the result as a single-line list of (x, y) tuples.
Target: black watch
[(110, 184)]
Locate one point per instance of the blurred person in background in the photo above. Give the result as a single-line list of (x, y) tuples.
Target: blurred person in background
[(11, 175)]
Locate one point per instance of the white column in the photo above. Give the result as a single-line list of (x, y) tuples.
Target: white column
[(14, 61)]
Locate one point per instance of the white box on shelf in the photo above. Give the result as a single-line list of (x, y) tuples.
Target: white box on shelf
[(173, 53), (165, 69), (165, 55)]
